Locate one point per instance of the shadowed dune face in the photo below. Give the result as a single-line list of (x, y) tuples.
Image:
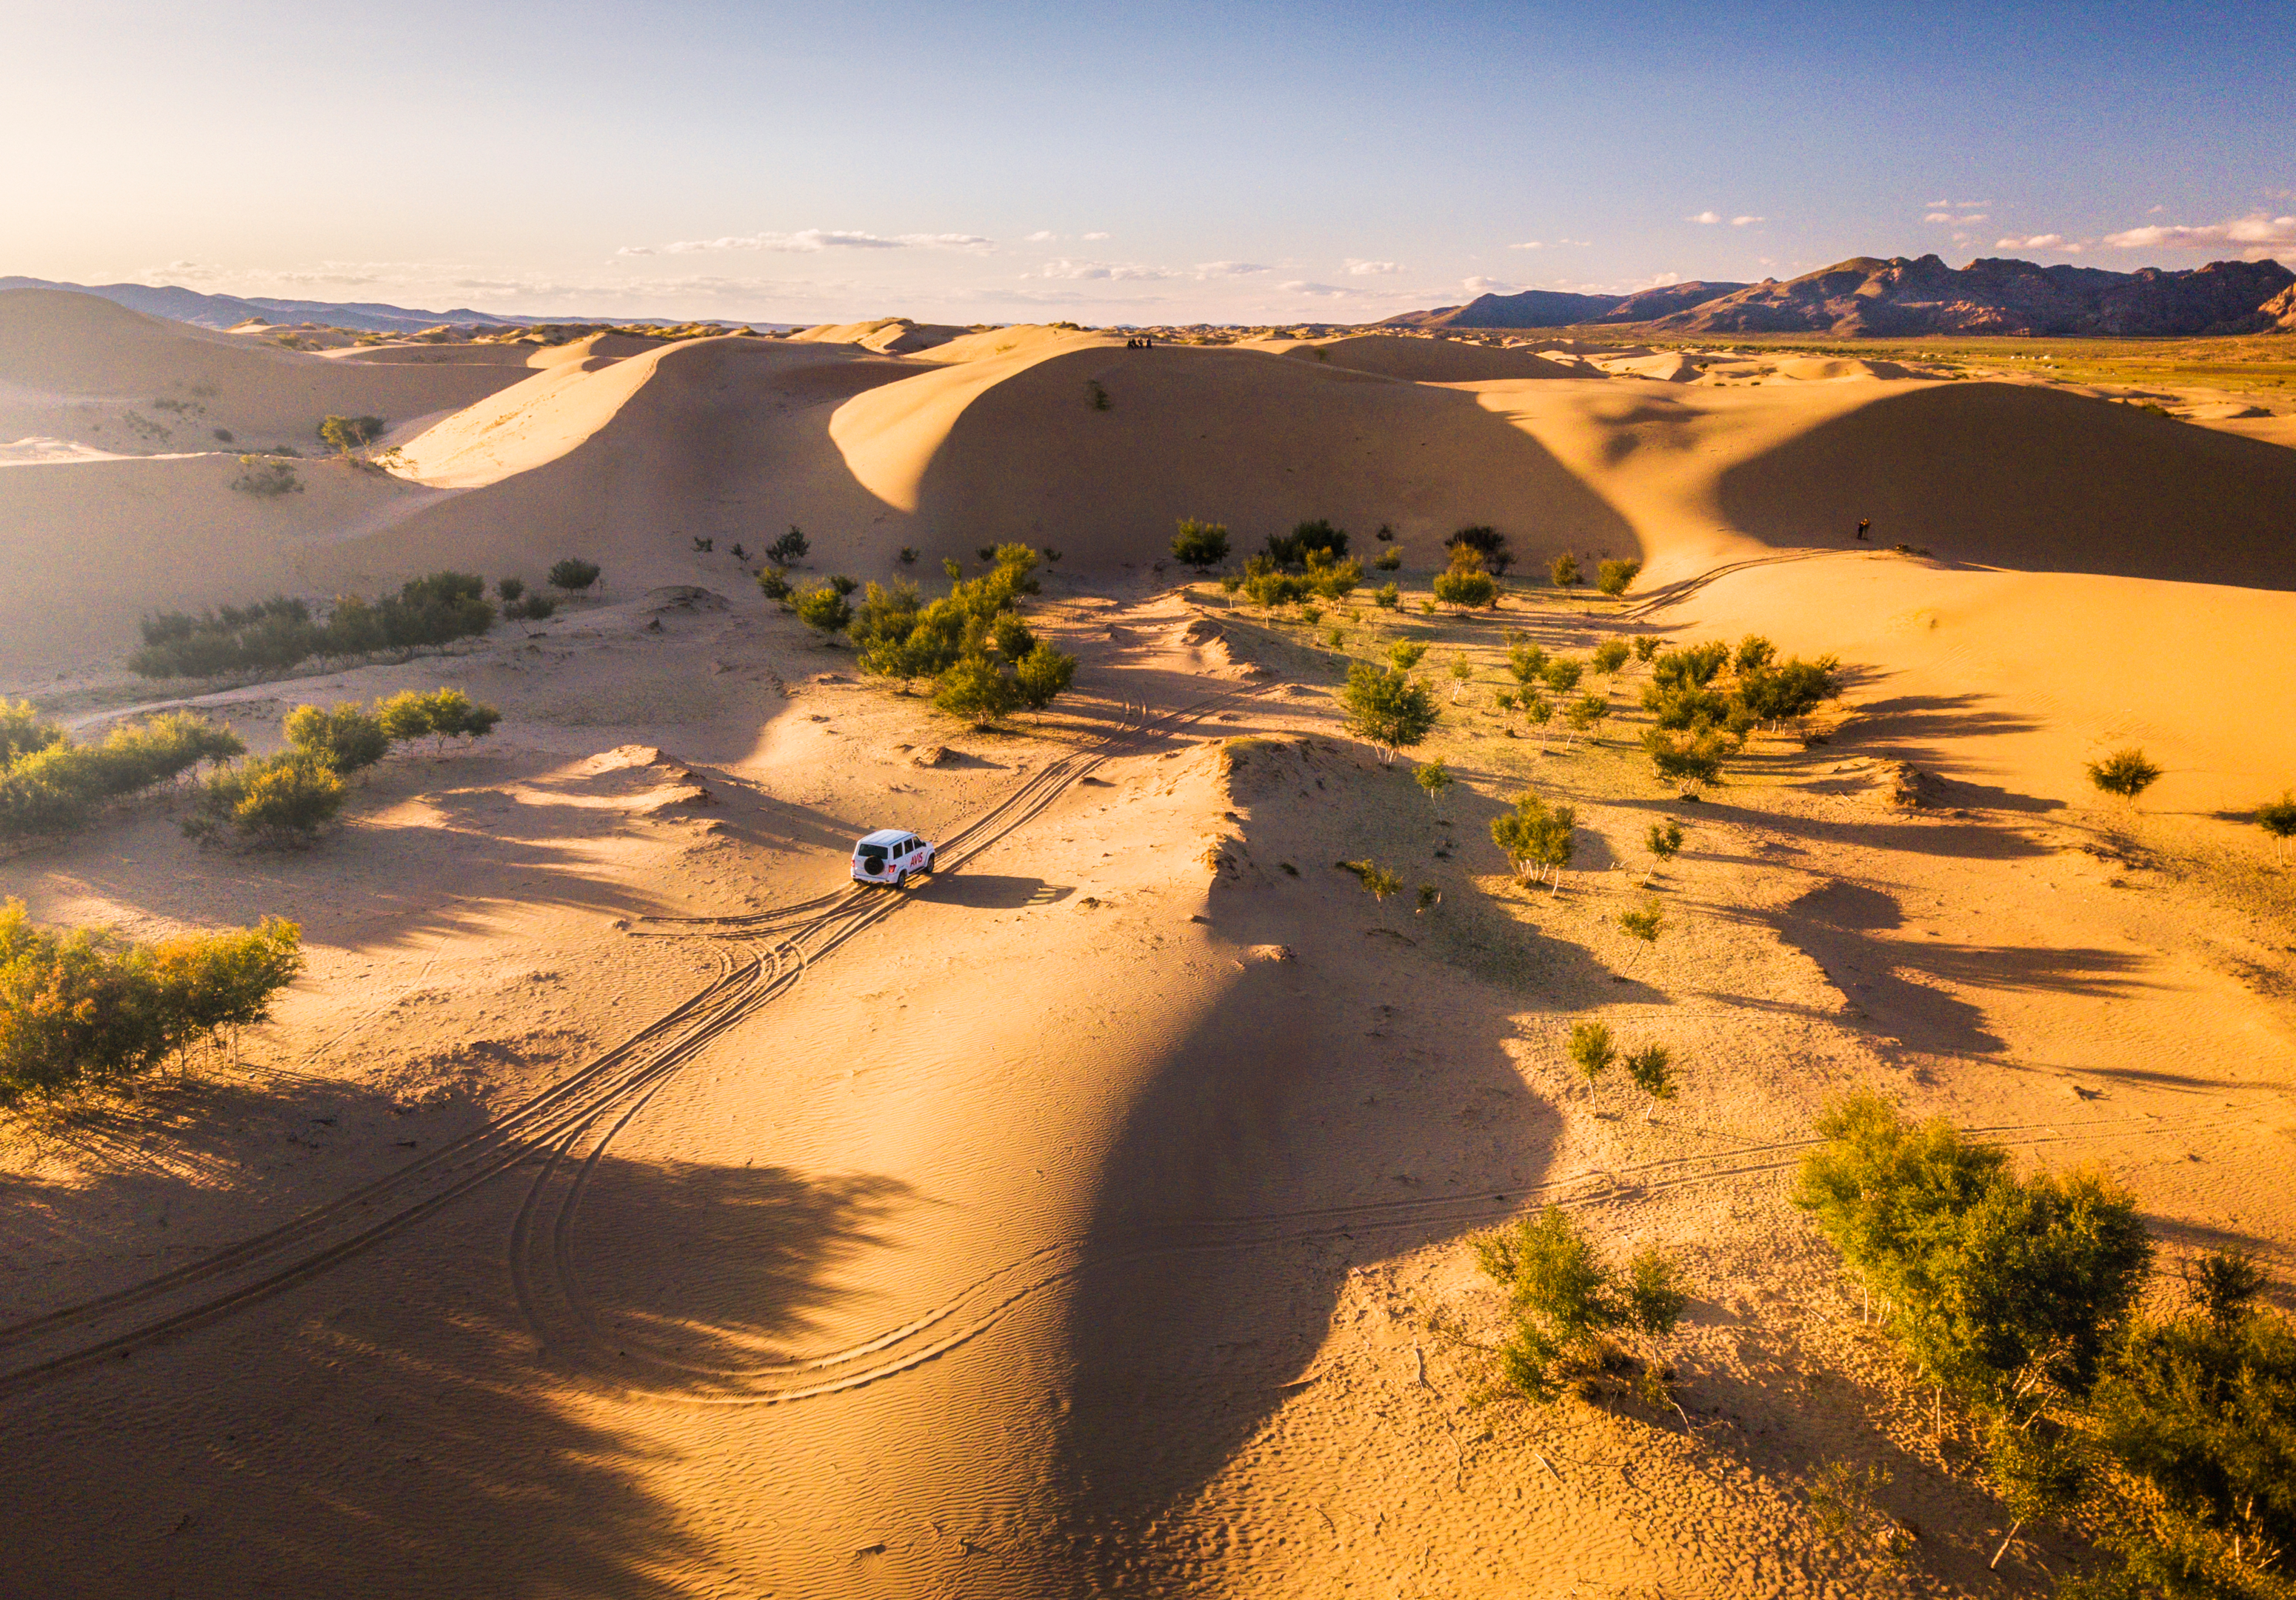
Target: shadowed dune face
[(2016, 476), (1426, 360), (1258, 443)]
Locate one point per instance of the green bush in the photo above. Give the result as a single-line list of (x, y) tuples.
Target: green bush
[(1290, 552), (1537, 838), (345, 434), (1680, 705), (1202, 545), (1376, 878), (1564, 570), (441, 714), (1591, 1049), (965, 639), (973, 689), (1569, 1306), (277, 634), (274, 801), (1407, 653), (1464, 586), (90, 1007), (1562, 674), (1614, 578), (1385, 596), (789, 549), (59, 786), (1645, 647), (510, 590), (823, 609), (1042, 676), (573, 574), (1487, 543), (773, 581), (1754, 653), (2276, 818), (24, 731), (1651, 1068), (1388, 560), (1694, 666), (1609, 655), (1390, 711), (1694, 756), (1770, 691), (2125, 773), (344, 740), (1434, 777)]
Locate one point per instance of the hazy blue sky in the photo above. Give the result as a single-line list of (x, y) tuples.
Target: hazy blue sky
[(1136, 162)]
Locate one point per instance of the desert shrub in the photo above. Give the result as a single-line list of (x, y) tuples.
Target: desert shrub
[(1664, 842), (1333, 580), (1202, 545), (1587, 712), (534, 607), (272, 801), (789, 549), (2125, 773), (1614, 578), (1464, 586), (1434, 777), (1376, 878), (973, 689), (1407, 653), (2278, 819), (88, 1007), (342, 739), (60, 785), (1272, 588), (573, 574), (1095, 394), (774, 583), (1537, 837), (1609, 655), (510, 591), (1388, 560), (264, 479), (344, 434), (1591, 1049), (1645, 647), (1754, 653), (1694, 666), (1681, 705), (1562, 674), (1694, 756), (1290, 551), (1563, 569), (441, 714), (24, 731), (1487, 543), (1391, 710), (823, 609), (1569, 1306), (1385, 596), (1528, 662), (1779, 691), (1651, 1068), (276, 633), (1043, 675)]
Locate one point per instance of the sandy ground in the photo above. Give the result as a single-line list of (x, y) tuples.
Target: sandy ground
[(624, 1205)]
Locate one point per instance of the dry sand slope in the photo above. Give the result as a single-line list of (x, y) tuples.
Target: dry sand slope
[(625, 1206)]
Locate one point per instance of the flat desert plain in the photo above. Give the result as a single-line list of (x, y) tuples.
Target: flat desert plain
[(625, 1203)]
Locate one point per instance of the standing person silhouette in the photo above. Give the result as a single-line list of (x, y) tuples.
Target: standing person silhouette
[(1863, 524)]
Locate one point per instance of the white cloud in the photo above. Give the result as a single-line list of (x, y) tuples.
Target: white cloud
[(1371, 269), (1660, 281), (1102, 272), (1096, 235), (1039, 236), (2036, 241), (2257, 233), (1329, 291), (1741, 222), (1229, 269), (1490, 286), (806, 240), (1529, 244), (1709, 217), (1938, 216)]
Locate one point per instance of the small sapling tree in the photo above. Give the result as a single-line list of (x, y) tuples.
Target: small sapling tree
[(1487, 543), (1651, 1068), (1464, 586), (1376, 878), (1569, 1306), (908, 557), (1592, 1051), (1388, 560), (774, 583), (2125, 773), (1645, 647), (1390, 711), (1538, 711), (842, 584), (1460, 674), (573, 574), (1433, 777), (1693, 756), (345, 434), (1586, 714), (344, 740), (1385, 596), (1664, 842), (1537, 838), (1562, 674), (511, 590), (789, 549), (1564, 570), (1643, 925), (1202, 545), (1407, 653), (823, 609), (1609, 655), (2278, 819), (1613, 577), (1430, 896)]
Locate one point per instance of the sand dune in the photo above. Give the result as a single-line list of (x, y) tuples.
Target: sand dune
[(75, 366), (1419, 360)]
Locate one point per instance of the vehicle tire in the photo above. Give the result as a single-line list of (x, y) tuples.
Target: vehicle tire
[(930, 860), (900, 880)]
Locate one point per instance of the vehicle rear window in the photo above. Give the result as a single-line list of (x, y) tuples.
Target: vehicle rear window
[(872, 852)]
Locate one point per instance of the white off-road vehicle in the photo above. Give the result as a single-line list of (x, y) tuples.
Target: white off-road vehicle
[(889, 856)]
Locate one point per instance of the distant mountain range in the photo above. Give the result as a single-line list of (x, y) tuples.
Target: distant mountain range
[(1870, 298), (229, 310)]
